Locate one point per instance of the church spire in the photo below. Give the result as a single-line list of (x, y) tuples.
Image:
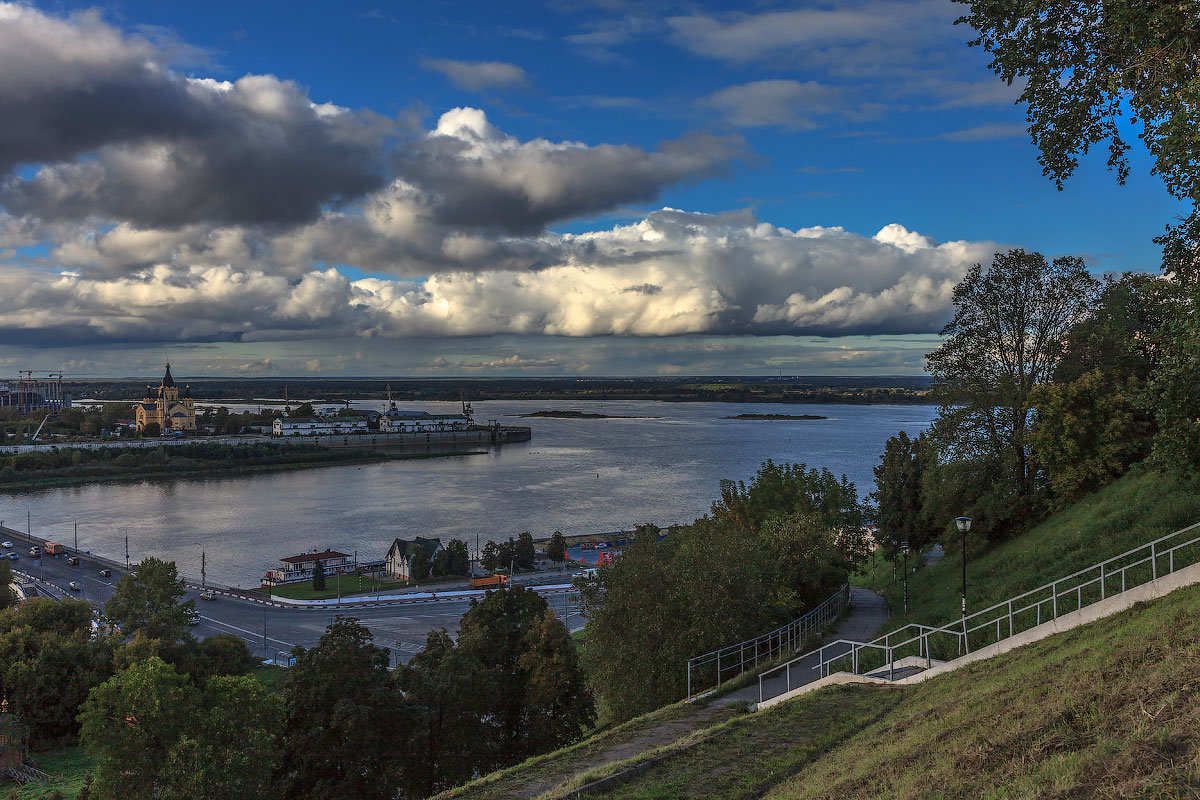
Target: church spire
[(167, 379)]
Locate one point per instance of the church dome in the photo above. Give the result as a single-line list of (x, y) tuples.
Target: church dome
[(167, 379)]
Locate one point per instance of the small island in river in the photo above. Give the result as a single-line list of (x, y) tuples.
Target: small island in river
[(777, 416), (559, 414)]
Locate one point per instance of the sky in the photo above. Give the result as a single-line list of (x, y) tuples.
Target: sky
[(551, 188)]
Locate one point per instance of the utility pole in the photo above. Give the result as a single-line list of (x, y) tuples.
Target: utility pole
[(266, 654), (126, 550), (203, 571)]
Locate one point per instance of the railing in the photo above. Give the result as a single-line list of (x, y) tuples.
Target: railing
[(727, 663), (1005, 619)]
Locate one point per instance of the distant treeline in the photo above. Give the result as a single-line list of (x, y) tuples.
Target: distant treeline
[(863, 390), (78, 464)]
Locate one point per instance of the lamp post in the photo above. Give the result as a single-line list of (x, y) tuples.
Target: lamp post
[(964, 525), (904, 552)]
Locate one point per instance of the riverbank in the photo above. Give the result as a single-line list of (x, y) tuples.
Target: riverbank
[(779, 417), (77, 466)]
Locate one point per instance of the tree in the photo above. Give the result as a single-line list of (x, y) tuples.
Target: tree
[(1084, 64), (48, 663), (130, 723), (418, 565), (8, 594), (1177, 404), (557, 551), (1087, 434), (451, 690), (490, 558), (509, 635), (1009, 329), (347, 723), (525, 554), (151, 429), (149, 601), (900, 497), (229, 751), (318, 582), (458, 558)]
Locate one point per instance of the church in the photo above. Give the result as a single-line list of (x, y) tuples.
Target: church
[(166, 405)]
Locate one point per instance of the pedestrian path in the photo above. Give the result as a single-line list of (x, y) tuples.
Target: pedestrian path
[(868, 613)]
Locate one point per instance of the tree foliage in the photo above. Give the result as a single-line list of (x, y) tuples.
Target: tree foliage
[(318, 579), (155, 734), (8, 592), (557, 549), (149, 601), (1085, 64), (510, 688), (346, 720), (768, 551), (1008, 334), (901, 513)]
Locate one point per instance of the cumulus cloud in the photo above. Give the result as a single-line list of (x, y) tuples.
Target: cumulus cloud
[(673, 273), (477, 76), (119, 135), (467, 173)]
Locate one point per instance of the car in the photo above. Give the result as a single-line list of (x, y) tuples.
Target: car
[(74, 586), (35, 552), (72, 561), (12, 556), (194, 618), (106, 573), (207, 596), (6, 545)]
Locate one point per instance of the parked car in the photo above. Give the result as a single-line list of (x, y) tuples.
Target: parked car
[(74, 586), (6, 545), (73, 561), (106, 573)]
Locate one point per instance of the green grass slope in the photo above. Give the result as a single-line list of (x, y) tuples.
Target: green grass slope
[(1109, 710), (1135, 510)]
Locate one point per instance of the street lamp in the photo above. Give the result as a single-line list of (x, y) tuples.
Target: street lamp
[(904, 552), (964, 525)]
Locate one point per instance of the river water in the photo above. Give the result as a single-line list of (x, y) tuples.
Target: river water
[(576, 475)]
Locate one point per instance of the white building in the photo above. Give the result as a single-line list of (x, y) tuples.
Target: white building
[(294, 569), (421, 422), (330, 426)]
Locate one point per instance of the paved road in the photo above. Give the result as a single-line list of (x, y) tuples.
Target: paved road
[(271, 632)]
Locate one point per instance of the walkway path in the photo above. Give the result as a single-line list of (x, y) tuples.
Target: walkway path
[(868, 612)]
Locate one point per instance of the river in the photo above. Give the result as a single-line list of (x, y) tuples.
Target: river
[(576, 475)]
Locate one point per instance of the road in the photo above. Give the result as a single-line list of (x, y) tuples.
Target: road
[(271, 631)]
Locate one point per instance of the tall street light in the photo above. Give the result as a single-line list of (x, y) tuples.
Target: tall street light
[(904, 552), (964, 525)]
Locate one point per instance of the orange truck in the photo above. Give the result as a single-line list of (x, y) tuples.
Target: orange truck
[(489, 582), (53, 548)]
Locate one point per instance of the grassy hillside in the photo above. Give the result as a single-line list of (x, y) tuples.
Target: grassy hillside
[(1107, 710), (1140, 507)]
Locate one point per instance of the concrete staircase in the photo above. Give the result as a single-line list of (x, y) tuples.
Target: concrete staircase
[(905, 656)]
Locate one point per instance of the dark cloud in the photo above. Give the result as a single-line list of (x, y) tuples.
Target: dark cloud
[(475, 176), (121, 136)]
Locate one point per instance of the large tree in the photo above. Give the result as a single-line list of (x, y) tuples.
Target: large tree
[(1085, 65), (1008, 333), (149, 602), (900, 495), (347, 722)]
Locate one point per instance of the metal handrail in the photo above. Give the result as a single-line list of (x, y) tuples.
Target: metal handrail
[(1075, 595), (789, 637)]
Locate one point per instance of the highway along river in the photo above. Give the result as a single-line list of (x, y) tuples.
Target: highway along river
[(643, 462)]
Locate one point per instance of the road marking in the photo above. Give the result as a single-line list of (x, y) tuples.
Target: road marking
[(243, 630)]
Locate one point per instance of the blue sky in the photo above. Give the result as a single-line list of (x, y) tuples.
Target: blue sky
[(450, 188)]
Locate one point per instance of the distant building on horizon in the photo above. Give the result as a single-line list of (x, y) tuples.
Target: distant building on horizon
[(165, 405)]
